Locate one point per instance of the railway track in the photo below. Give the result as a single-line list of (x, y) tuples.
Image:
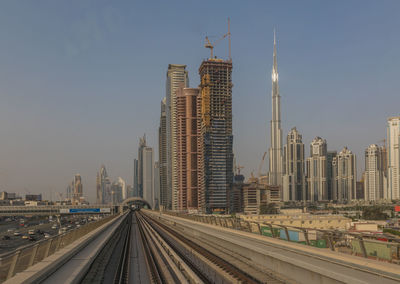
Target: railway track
[(144, 250)]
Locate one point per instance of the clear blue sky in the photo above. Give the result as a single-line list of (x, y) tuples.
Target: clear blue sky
[(80, 81)]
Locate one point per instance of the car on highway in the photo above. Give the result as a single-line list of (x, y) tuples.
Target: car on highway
[(31, 232), (16, 233), (10, 230), (46, 235), (25, 237), (54, 227), (32, 239)]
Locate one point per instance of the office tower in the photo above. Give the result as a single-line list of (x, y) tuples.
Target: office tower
[(165, 194), (330, 181), (374, 181), (293, 167), (275, 150), (188, 119), (216, 133), (78, 189), (140, 167), (177, 76), (103, 186), (393, 138), (135, 177), (345, 172), (316, 170), (156, 185), (147, 175)]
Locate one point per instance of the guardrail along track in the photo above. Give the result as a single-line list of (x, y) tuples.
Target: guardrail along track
[(208, 264)]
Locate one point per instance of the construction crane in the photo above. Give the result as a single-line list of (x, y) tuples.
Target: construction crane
[(261, 164), (239, 167), (211, 46)]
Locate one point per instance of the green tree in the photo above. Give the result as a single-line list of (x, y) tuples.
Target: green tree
[(374, 213)]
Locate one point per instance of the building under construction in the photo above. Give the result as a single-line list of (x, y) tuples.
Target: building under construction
[(216, 133)]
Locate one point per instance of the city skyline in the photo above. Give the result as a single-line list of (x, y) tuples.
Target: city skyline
[(53, 129)]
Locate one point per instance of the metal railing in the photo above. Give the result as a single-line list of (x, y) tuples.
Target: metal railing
[(19, 260), (360, 244)]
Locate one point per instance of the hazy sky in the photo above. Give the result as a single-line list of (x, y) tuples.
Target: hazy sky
[(80, 81)]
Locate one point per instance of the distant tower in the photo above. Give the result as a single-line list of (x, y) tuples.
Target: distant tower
[(275, 151), (293, 170), (330, 175), (103, 186), (156, 185), (345, 175), (316, 170), (177, 76), (78, 188), (216, 134), (148, 175), (188, 118), (393, 138), (165, 195), (375, 180), (140, 167)]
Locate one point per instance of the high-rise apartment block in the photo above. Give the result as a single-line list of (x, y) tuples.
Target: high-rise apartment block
[(216, 132), (188, 125), (375, 173), (275, 150), (330, 175), (393, 139), (156, 185), (293, 167), (317, 170), (345, 175), (165, 196), (177, 76)]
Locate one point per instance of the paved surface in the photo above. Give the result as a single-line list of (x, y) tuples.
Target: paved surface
[(138, 271), (350, 269)]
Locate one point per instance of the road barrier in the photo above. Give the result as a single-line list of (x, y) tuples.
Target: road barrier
[(19, 260)]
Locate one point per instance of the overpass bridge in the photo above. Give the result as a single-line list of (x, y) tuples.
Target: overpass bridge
[(47, 210), (148, 246)]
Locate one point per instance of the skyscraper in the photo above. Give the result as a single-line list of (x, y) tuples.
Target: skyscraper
[(148, 175), (275, 150), (176, 76), (188, 117), (316, 170), (103, 186), (375, 180), (293, 169), (135, 177), (156, 185), (165, 194), (393, 138), (78, 189), (345, 171), (216, 133), (140, 167), (330, 175)]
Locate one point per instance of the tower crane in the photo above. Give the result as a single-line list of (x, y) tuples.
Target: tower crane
[(261, 164), (211, 46)]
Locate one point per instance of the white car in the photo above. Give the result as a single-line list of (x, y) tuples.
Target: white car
[(17, 233), (54, 227), (46, 236), (31, 232)]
